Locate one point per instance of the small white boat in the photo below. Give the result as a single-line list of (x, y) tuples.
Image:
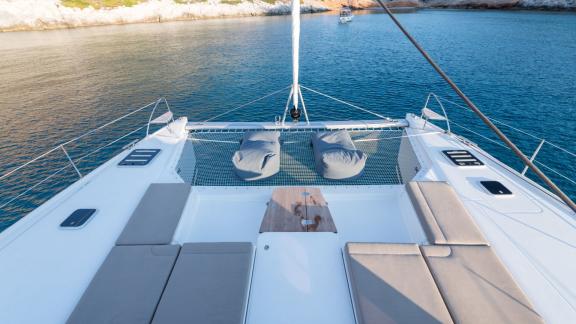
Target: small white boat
[(345, 15)]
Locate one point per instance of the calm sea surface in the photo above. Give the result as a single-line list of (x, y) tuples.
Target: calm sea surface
[(519, 67)]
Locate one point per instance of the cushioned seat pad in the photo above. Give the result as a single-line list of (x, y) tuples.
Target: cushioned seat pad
[(157, 215), (442, 215), (390, 283), (476, 286), (209, 284), (127, 287)]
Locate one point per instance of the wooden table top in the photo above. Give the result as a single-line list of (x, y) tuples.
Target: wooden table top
[(297, 209)]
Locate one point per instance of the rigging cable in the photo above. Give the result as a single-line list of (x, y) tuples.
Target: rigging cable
[(478, 112), (247, 104), (346, 103)]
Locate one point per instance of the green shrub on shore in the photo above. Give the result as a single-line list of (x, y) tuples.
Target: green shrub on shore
[(231, 2), (97, 4)]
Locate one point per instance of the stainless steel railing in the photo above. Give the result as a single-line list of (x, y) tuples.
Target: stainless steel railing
[(74, 162), (444, 104), (535, 169)]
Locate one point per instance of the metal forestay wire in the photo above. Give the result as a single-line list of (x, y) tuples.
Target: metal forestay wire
[(345, 102), (309, 89), (247, 104)]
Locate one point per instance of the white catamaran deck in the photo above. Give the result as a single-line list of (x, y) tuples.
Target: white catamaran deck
[(295, 277), (532, 232)]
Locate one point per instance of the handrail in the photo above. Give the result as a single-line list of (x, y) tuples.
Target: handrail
[(507, 125), (432, 94), (480, 114), (536, 151), (74, 139), (514, 128), (492, 119), (483, 136), (154, 109), (34, 186), (72, 162), (106, 145), (555, 171), (541, 141)]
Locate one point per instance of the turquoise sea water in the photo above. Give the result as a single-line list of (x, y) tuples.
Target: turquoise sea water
[(519, 67)]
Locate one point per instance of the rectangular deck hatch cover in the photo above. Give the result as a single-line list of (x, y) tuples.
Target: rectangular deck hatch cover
[(139, 157), (496, 188), (462, 158), (78, 218)]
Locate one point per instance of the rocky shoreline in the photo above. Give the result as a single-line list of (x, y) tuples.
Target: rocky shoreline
[(21, 15), (561, 5)]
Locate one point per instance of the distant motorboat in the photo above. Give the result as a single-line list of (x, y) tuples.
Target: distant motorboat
[(346, 15)]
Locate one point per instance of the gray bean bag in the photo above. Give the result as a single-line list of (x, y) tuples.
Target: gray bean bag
[(258, 156), (336, 156)]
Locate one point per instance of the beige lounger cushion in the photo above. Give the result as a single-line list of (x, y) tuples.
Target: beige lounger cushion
[(442, 214), (209, 285), (390, 283), (157, 215), (476, 286), (127, 287)]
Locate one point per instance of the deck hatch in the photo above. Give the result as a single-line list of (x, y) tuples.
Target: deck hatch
[(139, 157), (462, 158), (496, 188), (78, 218)]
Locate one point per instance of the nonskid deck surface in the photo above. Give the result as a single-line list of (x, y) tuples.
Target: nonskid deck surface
[(207, 159), (294, 267), (360, 214), (299, 269), (527, 230)]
